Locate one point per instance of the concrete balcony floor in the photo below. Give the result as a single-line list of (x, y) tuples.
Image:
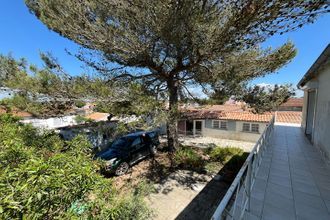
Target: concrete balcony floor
[(293, 182)]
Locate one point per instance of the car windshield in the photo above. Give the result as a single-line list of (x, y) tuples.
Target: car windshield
[(120, 143)]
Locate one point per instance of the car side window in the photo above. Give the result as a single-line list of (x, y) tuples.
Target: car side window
[(136, 142)]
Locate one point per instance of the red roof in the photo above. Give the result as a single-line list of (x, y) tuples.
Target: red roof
[(226, 112), (247, 116), (289, 117), (293, 102), (17, 113), (98, 116)]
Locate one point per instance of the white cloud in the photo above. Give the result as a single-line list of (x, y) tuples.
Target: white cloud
[(266, 85)]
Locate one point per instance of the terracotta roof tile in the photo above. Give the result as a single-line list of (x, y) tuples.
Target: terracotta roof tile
[(288, 117), (98, 116), (22, 114), (293, 102), (247, 116), (227, 115), (18, 113)]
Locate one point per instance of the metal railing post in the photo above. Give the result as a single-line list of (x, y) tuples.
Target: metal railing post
[(244, 178), (249, 184)]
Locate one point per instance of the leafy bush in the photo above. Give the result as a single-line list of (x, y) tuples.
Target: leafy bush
[(187, 157), (224, 154), (44, 177), (79, 103), (81, 119)]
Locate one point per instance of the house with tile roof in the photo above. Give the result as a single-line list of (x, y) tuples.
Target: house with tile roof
[(223, 121), (316, 108), (292, 104)]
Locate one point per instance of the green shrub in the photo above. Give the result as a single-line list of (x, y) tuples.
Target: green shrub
[(224, 154), (79, 103), (187, 157), (44, 177), (81, 119)]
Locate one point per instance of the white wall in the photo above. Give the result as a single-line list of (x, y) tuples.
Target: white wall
[(51, 123), (321, 132), (304, 111), (236, 134)]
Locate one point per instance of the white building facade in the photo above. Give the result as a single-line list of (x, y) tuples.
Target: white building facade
[(316, 108)]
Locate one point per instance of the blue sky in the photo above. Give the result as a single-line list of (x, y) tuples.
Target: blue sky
[(24, 36)]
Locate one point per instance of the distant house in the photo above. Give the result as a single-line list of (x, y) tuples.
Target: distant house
[(223, 121), (292, 104), (316, 109)]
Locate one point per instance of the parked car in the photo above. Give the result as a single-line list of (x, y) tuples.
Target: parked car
[(129, 149)]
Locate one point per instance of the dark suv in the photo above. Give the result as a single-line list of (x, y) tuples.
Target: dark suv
[(127, 150)]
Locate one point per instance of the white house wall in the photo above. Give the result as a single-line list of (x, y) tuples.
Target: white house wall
[(304, 110), (234, 131), (51, 123), (321, 132)]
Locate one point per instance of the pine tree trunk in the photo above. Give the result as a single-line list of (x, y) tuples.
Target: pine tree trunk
[(172, 125)]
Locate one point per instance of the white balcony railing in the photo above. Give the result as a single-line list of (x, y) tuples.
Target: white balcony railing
[(237, 199)]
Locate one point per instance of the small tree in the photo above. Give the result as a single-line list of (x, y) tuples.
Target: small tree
[(173, 43)]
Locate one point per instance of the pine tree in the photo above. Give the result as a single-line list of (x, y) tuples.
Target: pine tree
[(171, 43)]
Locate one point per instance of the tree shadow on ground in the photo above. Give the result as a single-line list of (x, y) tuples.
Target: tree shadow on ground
[(167, 177), (205, 203)]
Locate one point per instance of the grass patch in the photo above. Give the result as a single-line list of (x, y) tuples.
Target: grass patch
[(213, 167), (210, 159), (188, 158), (224, 154)]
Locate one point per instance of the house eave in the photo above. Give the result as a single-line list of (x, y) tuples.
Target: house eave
[(313, 70)]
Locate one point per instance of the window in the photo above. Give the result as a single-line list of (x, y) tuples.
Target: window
[(223, 124), (246, 127), (219, 124), (216, 124), (255, 128), (137, 141)]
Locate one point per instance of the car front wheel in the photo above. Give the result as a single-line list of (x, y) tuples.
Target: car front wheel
[(122, 169)]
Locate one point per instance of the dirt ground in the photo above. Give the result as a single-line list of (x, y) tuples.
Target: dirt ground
[(174, 193), (177, 194), (152, 169)]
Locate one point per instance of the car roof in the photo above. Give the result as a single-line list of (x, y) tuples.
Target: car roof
[(138, 133)]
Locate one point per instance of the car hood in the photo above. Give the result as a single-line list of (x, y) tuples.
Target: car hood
[(108, 154)]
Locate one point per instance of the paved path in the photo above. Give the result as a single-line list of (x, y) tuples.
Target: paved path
[(293, 182), (186, 195)]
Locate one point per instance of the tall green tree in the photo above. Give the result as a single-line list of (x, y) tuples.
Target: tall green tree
[(233, 75), (50, 91), (172, 43)]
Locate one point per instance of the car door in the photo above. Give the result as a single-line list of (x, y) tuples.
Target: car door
[(137, 149), (147, 142)]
